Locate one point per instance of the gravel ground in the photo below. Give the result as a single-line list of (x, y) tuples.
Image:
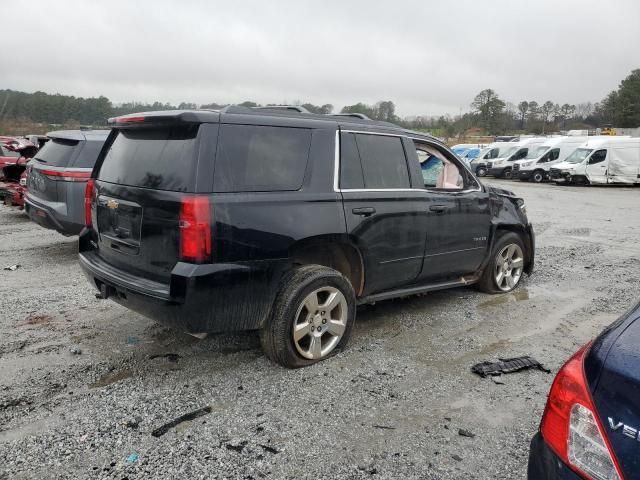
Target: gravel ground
[(81, 391)]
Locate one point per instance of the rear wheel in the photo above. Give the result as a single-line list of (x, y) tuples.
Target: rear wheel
[(538, 176), (481, 171), (506, 174), (505, 269), (312, 317)]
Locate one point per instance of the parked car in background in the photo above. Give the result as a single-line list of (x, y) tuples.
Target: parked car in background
[(57, 178), (490, 152), (466, 151), (591, 424), (283, 221), (502, 166), (611, 160), (539, 161), (14, 155)]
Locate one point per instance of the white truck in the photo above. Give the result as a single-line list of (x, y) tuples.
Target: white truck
[(502, 166), (493, 150), (611, 160), (540, 159)]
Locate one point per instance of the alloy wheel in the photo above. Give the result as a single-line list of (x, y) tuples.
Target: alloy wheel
[(320, 322), (508, 267)]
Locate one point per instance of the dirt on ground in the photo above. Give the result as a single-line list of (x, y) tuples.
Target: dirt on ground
[(89, 389)]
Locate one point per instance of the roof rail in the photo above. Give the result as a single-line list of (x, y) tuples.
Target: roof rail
[(296, 108), (356, 115)]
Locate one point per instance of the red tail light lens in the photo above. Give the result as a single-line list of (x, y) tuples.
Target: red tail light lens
[(571, 427), (67, 175), (195, 229), (89, 191)]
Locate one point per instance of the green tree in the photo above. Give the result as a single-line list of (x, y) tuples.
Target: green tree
[(523, 108), (622, 106), (545, 112), (489, 107)]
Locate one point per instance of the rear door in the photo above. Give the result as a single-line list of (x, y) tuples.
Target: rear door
[(384, 213), (140, 183)]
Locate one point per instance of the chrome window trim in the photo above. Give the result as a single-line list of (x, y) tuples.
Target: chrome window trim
[(336, 171)]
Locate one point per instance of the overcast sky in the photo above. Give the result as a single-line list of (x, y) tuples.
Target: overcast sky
[(429, 57)]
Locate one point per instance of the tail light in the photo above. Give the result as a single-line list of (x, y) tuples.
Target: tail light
[(195, 229), (67, 175), (571, 427), (89, 191)]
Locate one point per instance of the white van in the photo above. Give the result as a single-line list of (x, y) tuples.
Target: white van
[(493, 150), (538, 162), (602, 161), (502, 166)]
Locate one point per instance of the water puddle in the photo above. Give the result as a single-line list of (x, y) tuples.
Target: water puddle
[(112, 377), (516, 296)]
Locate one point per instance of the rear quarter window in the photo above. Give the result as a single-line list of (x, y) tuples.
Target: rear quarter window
[(253, 158), (156, 158), (57, 152), (89, 154)]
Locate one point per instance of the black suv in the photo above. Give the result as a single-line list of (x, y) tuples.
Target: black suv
[(284, 221)]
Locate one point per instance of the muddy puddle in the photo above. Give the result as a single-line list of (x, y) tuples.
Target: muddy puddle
[(112, 377)]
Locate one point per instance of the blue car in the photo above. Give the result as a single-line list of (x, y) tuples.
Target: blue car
[(591, 424)]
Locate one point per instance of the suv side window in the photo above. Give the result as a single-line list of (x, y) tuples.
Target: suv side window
[(383, 160), (598, 156), (351, 176), (521, 154), (255, 158)]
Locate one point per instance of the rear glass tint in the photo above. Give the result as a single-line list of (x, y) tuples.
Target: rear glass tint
[(89, 154), (57, 152), (158, 158), (258, 158), (383, 161)]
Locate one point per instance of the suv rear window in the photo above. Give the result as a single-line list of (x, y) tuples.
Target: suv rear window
[(383, 161), (258, 158), (89, 154), (158, 158), (57, 152)]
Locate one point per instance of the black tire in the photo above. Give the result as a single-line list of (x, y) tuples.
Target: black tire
[(507, 173), (276, 336), (538, 176), (487, 282), (481, 171)]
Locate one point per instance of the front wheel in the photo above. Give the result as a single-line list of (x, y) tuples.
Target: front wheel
[(506, 174), (312, 317), (505, 269), (538, 176), (481, 171)]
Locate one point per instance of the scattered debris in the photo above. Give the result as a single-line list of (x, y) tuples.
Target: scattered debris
[(131, 340), (457, 458), (497, 379), (110, 378), (237, 448), (76, 351), (133, 458), (12, 268), (507, 365), (37, 319), (133, 422), (466, 433), (269, 449), (158, 432), (383, 427), (172, 357)]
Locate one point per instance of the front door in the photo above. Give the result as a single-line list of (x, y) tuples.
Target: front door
[(385, 216), (597, 167), (458, 216)]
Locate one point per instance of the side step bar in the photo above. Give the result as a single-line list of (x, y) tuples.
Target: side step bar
[(405, 292)]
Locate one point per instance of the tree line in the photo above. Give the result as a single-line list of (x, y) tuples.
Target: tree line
[(489, 113)]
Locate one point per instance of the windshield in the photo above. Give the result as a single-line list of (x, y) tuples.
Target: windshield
[(460, 151), (472, 153), (578, 155), (536, 152), (507, 151)]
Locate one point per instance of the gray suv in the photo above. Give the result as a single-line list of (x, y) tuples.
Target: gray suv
[(57, 178)]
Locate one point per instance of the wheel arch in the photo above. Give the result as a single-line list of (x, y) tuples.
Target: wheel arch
[(334, 251), (525, 233)]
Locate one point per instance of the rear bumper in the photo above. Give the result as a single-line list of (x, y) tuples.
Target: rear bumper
[(205, 298), (46, 216), (545, 464)]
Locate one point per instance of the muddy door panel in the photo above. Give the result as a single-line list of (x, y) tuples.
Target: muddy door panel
[(389, 228)]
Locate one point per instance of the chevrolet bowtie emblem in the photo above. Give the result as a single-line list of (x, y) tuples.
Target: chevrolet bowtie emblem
[(112, 204)]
